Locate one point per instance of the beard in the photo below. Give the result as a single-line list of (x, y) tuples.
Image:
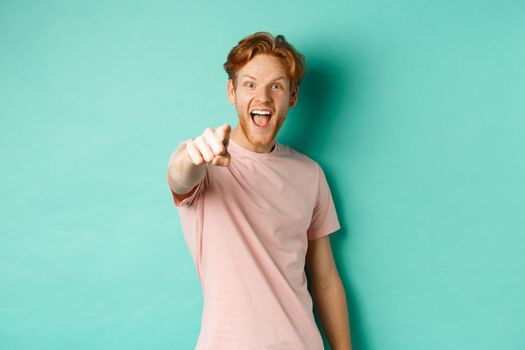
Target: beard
[(262, 139)]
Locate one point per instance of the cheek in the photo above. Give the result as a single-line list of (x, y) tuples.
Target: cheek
[(241, 104), (241, 109), (284, 105)]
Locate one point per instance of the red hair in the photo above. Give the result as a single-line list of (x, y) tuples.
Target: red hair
[(266, 43)]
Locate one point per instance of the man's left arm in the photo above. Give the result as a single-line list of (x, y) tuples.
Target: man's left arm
[(328, 293)]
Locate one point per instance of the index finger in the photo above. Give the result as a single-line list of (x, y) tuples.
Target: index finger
[(223, 132)]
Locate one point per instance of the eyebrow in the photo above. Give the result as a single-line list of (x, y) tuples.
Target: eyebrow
[(282, 77)]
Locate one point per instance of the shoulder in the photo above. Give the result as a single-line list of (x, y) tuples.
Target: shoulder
[(300, 158), (299, 165)]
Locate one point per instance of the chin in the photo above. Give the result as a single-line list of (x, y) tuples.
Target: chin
[(259, 140)]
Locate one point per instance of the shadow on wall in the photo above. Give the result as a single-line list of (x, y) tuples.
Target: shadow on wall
[(322, 93), (331, 82)]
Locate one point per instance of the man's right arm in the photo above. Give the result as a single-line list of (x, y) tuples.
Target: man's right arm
[(187, 167), (183, 175)]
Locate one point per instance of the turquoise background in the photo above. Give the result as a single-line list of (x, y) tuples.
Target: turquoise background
[(415, 109)]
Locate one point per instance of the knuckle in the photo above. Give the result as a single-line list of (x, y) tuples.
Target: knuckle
[(201, 143), (197, 160)]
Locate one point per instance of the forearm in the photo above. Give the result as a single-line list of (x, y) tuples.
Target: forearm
[(183, 175), (330, 302)]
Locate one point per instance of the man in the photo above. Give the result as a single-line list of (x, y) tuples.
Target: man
[(256, 213)]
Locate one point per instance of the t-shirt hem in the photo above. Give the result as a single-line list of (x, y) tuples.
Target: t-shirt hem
[(324, 232), (188, 200)]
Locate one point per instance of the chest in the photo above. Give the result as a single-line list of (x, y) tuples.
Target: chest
[(279, 201)]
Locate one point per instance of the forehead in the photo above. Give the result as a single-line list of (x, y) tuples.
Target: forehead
[(264, 67)]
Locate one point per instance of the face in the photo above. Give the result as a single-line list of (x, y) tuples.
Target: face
[(262, 98)]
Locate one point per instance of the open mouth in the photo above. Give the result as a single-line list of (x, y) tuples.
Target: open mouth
[(261, 117)]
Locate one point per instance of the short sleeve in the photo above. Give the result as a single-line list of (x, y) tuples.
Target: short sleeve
[(188, 201), (324, 218), (201, 186)]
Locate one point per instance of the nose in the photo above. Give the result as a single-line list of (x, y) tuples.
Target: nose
[(263, 95)]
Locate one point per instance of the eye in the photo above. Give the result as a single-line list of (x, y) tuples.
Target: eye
[(250, 84), (277, 86)]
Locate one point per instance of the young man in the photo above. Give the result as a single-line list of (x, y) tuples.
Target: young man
[(255, 213)]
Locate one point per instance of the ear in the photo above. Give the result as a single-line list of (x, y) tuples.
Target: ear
[(230, 90), (293, 96)]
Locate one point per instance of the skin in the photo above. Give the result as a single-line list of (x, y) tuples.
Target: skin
[(264, 89), (258, 85), (328, 293)]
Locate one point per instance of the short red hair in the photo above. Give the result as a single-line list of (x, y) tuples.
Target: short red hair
[(266, 43)]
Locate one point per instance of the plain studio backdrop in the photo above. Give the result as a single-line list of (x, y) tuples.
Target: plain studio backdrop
[(415, 109)]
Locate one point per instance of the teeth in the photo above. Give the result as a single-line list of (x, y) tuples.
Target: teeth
[(258, 111)]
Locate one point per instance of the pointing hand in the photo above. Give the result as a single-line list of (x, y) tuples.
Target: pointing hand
[(210, 147)]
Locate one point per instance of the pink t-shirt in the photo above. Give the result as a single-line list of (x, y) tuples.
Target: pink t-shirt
[(247, 227)]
